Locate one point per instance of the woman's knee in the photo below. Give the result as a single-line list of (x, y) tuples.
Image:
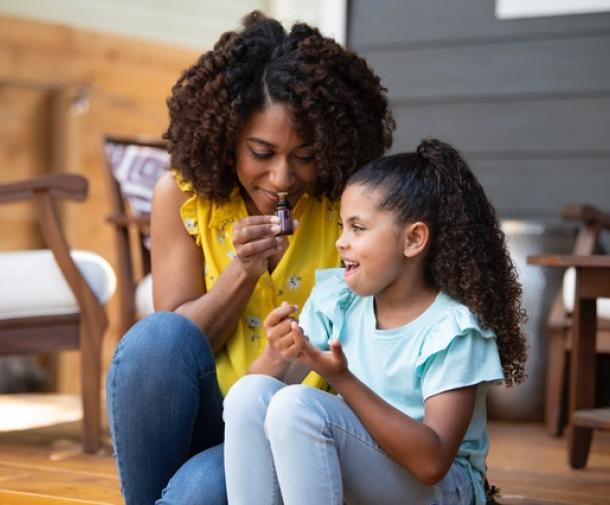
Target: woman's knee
[(200, 480), (162, 336), (249, 397), (161, 345)]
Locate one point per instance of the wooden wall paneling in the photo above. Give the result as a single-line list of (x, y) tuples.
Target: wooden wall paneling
[(24, 112), (123, 82)]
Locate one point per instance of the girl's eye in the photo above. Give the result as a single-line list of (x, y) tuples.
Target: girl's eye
[(357, 227), (340, 225), (261, 155)]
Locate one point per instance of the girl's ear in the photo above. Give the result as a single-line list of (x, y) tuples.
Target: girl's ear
[(416, 237)]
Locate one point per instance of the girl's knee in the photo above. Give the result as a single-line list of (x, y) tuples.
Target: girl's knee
[(293, 408), (249, 397)]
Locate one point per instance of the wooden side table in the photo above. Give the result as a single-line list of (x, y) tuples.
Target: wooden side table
[(592, 282)]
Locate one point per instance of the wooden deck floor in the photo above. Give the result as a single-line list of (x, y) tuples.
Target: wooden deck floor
[(45, 466)]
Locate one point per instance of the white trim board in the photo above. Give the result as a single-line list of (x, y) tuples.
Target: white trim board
[(513, 9)]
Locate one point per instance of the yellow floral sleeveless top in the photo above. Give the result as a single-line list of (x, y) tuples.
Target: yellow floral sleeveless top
[(312, 246)]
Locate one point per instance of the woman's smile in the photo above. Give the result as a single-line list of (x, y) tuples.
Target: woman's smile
[(273, 157)]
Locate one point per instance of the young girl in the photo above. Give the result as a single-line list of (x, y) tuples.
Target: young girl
[(423, 318)]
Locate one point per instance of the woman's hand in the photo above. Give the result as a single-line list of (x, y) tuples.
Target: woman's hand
[(256, 239)]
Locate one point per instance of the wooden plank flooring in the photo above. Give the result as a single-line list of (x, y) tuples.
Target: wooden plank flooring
[(45, 466)]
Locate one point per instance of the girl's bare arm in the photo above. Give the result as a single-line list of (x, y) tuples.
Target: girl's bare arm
[(426, 449)]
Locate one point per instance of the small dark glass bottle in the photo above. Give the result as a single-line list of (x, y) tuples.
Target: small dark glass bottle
[(282, 210)]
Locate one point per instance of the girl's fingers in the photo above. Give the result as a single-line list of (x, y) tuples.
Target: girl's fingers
[(279, 314), (336, 349)]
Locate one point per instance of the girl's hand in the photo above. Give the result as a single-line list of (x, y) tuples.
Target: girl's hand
[(255, 240), (332, 365), (285, 338)]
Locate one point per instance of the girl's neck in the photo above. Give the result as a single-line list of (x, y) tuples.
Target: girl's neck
[(404, 305)]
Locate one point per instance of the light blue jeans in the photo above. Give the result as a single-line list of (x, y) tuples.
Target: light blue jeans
[(165, 412), (302, 446)]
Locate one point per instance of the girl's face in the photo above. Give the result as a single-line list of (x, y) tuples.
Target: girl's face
[(272, 157), (371, 244)]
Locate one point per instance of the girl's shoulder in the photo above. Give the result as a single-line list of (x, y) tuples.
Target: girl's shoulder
[(452, 324), (457, 350), (453, 316)]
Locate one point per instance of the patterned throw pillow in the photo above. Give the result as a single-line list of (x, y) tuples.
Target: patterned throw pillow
[(136, 168)]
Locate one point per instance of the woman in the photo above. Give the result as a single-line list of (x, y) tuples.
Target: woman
[(265, 112)]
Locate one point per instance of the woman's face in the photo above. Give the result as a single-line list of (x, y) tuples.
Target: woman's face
[(272, 157)]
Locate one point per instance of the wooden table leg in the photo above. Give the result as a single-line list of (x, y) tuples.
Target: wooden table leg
[(582, 373), (592, 282)]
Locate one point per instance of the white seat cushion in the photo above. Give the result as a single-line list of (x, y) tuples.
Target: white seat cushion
[(569, 288), (144, 297), (32, 283)]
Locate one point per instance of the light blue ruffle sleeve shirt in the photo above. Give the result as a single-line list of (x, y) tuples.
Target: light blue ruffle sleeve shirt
[(444, 348)]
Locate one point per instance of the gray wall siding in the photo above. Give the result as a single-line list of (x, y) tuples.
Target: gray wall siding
[(527, 101)]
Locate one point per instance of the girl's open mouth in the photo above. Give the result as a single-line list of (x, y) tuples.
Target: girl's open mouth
[(350, 266)]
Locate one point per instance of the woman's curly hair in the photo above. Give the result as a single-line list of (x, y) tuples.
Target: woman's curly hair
[(337, 102), (468, 258)]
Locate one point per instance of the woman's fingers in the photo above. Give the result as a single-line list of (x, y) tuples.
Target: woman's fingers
[(248, 233), (265, 246), (256, 239)]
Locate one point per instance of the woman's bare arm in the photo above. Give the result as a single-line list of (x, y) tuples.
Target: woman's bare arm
[(178, 263)]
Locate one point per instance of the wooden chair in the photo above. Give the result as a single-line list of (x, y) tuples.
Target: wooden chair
[(134, 165), (560, 321), (53, 300), (583, 332)]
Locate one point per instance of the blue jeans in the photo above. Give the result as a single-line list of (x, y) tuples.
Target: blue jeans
[(301, 446), (165, 412)]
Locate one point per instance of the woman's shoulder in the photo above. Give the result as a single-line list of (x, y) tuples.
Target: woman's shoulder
[(173, 195), (168, 198), (167, 186)]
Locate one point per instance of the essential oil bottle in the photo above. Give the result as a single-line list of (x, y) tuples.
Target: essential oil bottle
[(282, 210)]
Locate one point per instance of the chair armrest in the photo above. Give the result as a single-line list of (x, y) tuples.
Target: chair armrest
[(586, 214), (121, 221), (57, 185), (43, 191)]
